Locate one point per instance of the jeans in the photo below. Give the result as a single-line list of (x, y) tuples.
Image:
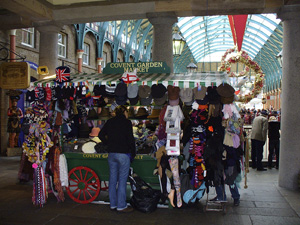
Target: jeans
[(119, 164), (221, 194), (257, 153), (273, 144)]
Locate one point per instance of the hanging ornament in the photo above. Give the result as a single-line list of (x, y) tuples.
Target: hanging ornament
[(242, 57)]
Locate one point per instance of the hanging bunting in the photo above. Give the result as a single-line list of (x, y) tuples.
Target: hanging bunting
[(238, 25)]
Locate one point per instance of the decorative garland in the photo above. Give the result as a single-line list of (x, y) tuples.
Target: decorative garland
[(244, 58)]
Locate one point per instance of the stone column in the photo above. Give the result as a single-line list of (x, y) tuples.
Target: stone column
[(12, 37), (3, 121), (48, 47), (290, 127), (162, 49), (99, 61), (79, 55)]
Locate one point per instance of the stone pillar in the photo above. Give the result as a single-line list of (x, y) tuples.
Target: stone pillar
[(48, 47), (162, 49), (12, 37), (290, 129), (99, 61), (79, 55), (3, 121)]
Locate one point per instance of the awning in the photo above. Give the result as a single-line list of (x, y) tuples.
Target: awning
[(181, 80)]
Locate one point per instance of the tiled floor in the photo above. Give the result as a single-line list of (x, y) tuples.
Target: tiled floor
[(262, 203)]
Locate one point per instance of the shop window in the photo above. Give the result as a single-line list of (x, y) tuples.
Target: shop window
[(62, 45), (28, 37), (86, 54)]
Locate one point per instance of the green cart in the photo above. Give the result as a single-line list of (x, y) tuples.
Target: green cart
[(89, 173)]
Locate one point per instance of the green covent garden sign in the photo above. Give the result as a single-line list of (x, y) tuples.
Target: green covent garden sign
[(142, 67)]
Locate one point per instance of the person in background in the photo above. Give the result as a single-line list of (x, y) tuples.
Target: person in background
[(118, 135), (274, 135), (258, 139)]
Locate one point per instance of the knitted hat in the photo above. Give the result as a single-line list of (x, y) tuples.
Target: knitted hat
[(199, 92), (213, 96), (186, 94), (144, 91), (121, 89), (160, 101), (95, 131), (225, 90), (173, 92), (158, 90), (110, 90), (132, 90)]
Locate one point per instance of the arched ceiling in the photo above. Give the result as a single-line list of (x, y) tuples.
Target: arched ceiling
[(208, 37)]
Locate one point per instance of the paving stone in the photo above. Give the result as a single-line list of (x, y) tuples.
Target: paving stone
[(272, 220), (71, 220)]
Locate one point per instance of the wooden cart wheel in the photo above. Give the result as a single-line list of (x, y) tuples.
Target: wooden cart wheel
[(84, 185)]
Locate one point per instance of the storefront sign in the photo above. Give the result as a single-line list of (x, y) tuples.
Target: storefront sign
[(105, 156), (14, 75), (142, 67)]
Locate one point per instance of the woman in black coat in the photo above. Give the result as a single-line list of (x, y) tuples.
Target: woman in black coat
[(118, 135)]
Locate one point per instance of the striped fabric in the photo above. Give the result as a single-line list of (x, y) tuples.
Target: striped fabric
[(181, 80)]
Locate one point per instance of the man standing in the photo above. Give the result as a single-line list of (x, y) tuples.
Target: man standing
[(258, 139)]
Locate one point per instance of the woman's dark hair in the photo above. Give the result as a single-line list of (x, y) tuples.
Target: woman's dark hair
[(119, 110)]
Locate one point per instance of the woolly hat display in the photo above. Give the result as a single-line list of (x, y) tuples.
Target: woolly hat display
[(158, 90), (95, 131), (225, 90), (154, 114), (146, 101), (186, 95), (199, 92), (121, 89), (173, 92), (213, 96), (132, 90), (160, 101), (110, 90), (144, 91), (141, 113)]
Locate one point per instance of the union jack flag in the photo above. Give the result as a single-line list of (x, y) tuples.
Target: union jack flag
[(62, 74)]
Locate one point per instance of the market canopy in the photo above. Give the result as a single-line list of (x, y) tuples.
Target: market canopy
[(183, 80)]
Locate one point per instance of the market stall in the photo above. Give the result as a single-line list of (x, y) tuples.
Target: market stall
[(173, 103)]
